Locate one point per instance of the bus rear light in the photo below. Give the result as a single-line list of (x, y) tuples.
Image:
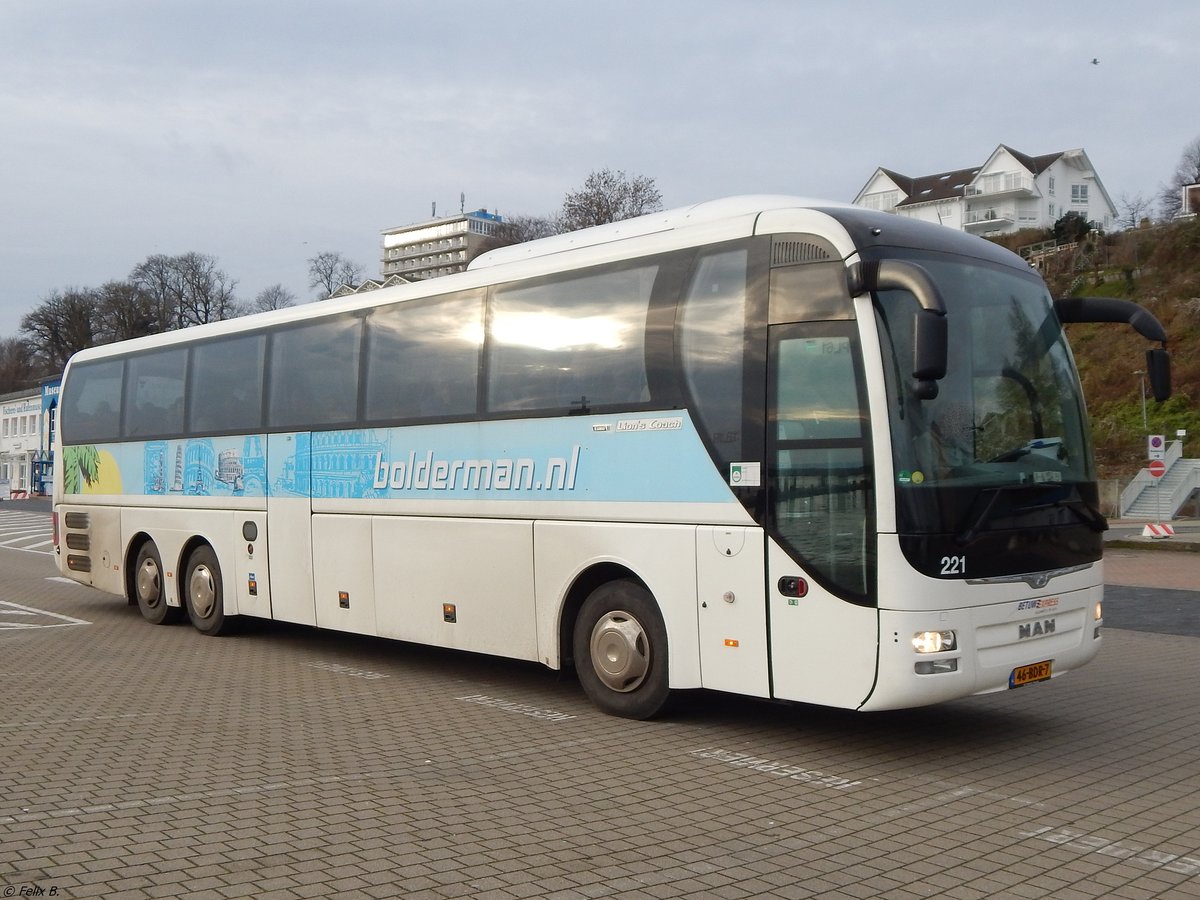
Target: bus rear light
[(77, 541), (77, 563), (1099, 616), (934, 641), (935, 666), (54, 527)]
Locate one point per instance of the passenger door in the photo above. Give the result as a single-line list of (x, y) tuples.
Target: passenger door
[(821, 554)]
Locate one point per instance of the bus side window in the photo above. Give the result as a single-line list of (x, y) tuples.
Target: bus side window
[(423, 358), (571, 343), (154, 393), (91, 401), (711, 337), (230, 372), (314, 374)]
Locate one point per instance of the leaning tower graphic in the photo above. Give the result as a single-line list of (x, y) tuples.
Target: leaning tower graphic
[(177, 481)]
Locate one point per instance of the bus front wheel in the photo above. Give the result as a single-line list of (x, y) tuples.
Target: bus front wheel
[(203, 592), (620, 648), (148, 587)]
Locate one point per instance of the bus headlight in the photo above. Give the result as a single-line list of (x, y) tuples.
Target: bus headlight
[(1099, 611), (934, 641)]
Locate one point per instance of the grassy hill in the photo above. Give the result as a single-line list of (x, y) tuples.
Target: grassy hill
[(1158, 268)]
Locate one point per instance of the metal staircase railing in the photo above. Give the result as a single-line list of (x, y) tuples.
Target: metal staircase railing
[(1147, 497)]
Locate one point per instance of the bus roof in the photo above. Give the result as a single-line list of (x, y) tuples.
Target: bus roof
[(705, 213), (850, 229)]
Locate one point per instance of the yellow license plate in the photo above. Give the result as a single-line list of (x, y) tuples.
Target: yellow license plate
[(1039, 671)]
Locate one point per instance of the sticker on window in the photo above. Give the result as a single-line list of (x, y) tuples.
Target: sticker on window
[(745, 474)]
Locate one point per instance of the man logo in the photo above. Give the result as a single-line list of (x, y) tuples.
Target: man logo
[(1035, 629)]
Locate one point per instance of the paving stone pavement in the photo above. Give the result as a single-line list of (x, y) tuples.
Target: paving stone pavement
[(143, 761)]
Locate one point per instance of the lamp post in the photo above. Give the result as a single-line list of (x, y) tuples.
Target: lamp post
[(1141, 374)]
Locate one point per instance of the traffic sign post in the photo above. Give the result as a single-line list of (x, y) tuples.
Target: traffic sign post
[(1158, 468)]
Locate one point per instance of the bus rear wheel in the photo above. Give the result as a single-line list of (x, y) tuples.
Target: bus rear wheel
[(620, 649), (148, 587), (203, 592)]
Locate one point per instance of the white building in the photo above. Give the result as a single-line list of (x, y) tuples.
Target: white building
[(20, 439), (1010, 191), (27, 423), (437, 246), (1189, 205)]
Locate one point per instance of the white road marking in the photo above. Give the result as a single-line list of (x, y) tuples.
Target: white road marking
[(8, 608), (1092, 843)]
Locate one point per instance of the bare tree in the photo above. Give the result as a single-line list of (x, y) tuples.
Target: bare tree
[(1170, 198), (1133, 210), (608, 196), (329, 270), (521, 228), (274, 297), (124, 311), (159, 279), (207, 291), (19, 369), (189, 289), (61, 324)]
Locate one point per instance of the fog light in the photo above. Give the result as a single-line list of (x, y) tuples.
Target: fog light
[(934, 641), (935, 666)]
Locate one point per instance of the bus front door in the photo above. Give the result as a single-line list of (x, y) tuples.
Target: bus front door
[(821, 553)]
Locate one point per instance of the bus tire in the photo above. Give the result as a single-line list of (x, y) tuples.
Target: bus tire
[(203, 594), (148, 587), (620, 649)]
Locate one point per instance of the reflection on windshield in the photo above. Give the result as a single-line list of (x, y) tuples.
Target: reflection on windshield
[(1009, 411)]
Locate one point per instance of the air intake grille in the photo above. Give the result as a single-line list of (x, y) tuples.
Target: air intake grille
[(790, 253), (76, 520)]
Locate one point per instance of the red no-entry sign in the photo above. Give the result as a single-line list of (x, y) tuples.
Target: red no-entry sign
[(1157, 468)]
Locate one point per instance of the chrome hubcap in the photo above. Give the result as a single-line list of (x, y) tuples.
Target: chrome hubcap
[(148, 583), (202, 591), (620, 651)]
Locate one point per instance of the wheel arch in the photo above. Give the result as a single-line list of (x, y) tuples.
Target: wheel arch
[(581, 588), (190, 546)]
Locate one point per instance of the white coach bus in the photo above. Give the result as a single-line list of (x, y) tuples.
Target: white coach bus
[(763, 445)]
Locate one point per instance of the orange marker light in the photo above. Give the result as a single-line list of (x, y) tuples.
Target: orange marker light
[(730, 642)]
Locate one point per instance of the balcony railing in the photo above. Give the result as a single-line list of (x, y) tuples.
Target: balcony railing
[(997, 216), (1001, 183)]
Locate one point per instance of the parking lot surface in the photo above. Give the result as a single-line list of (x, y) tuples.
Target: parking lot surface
[(143, 761)]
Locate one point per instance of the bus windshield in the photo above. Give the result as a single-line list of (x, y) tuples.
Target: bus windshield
[(1008, 415)]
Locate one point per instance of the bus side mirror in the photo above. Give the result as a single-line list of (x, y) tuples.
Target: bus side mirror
[(1158, 365), (930, 343), (930, 350)]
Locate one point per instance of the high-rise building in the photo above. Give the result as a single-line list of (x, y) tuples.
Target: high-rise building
[(439, 246)]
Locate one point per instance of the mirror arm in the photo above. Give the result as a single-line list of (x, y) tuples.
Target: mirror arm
[(1111, 309)]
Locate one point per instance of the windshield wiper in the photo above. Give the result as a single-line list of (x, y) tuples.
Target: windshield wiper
[(1090, 516), (968, 534)]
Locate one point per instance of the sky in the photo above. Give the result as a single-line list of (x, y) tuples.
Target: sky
[(263, 132)]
